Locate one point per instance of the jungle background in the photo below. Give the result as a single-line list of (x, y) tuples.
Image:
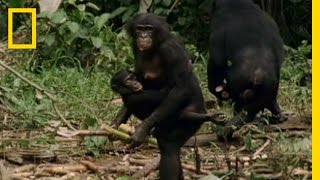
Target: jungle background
[(56, 102)]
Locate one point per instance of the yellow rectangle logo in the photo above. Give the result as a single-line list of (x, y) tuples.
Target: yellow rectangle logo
[(33, 44)]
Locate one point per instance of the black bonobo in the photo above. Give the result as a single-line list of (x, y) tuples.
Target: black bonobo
[(161, 61), (246, 54), (141, 103)]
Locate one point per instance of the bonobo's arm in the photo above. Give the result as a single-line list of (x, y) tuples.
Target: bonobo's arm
[(121, 117), (179, 74), (217, 64)]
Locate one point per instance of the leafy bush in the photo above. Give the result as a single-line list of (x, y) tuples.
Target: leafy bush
[(75, 37), (297, 65)]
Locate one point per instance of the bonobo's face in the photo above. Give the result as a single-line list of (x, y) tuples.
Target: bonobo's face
[(132, 83), (144, 36), (125, 82)]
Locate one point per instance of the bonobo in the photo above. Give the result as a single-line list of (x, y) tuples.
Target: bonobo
[(142, 103), (161, 61), (246, 50)]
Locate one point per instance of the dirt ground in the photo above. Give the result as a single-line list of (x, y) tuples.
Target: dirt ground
[(44, 154)]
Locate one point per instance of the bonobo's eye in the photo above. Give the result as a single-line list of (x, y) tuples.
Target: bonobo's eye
[(130, 77), (144, 27)]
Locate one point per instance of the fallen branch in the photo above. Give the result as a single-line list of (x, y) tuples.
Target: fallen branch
[(148, 168), (192, 168), (258, 151), (3, 172), (64, 169), (90, 165), (108, 131), (156, 161), (21, 176), (24, 168)]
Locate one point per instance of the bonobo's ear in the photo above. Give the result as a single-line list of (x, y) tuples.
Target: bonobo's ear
[(129, 26)]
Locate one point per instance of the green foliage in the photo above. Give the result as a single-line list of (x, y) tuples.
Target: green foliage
[(295, 85), (95, 144), (297, 63), (75, 89), (123, 178), (77, 38)]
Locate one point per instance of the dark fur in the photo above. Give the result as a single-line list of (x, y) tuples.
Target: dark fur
[(250, 40), (141, 104), (183, 90)]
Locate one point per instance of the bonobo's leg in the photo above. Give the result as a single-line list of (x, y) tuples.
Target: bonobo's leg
[(216, 69), (241, 119), (122, 117), (276, 111), (212, 117), (170, 165)]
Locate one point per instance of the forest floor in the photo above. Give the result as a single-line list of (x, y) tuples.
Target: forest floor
[(277, 152)]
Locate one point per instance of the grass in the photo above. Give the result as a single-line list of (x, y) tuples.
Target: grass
[(82, 95), (89, 91)]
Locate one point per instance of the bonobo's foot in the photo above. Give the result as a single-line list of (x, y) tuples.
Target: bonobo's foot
[(140, 134), (216, 118), (276, 119)]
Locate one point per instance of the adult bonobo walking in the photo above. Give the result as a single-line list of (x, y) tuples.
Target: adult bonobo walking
[(247, 51), (162, 61)]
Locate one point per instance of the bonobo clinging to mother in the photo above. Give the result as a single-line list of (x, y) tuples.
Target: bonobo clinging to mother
[(141, 103), (246, 50), (161, 61)]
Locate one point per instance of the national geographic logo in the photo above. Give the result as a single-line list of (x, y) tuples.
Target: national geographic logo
[(10, 28)]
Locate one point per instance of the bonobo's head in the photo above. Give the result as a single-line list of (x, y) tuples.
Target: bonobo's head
[(125, 82), (148, 31)]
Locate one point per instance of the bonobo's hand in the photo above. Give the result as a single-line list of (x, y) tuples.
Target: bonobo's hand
[(140, 134), (216, 118), (233, 125), (121, 118)]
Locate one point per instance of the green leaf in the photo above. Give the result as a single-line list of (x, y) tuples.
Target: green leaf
[(81, 7), (16, 83), (49, 39), (15, 3), (117, 12), (74, 27), (59, 17), (93, 6), (129, 13), (157, 1), (123, 178), (102, 20), (166, 3), (97, 42), (182, 21), (107, 52)]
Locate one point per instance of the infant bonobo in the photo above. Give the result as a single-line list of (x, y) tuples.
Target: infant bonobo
[(141, 103)]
